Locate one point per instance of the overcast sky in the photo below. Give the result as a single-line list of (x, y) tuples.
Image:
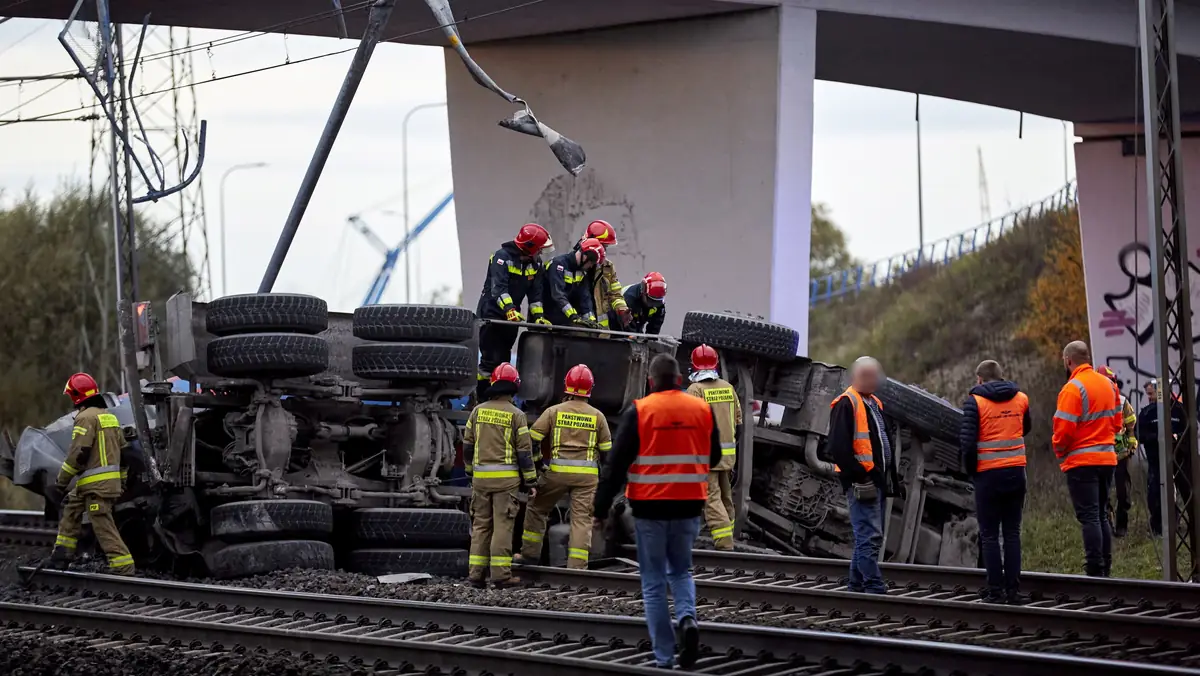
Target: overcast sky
[(864, 158)]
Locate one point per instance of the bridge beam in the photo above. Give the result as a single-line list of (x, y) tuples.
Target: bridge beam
[(699, 142)]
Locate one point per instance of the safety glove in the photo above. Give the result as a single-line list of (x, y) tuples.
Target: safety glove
[(513, 315), (543, 321), (625, 316)]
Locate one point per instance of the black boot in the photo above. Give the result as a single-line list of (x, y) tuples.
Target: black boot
[(60, 559), (689, 635)]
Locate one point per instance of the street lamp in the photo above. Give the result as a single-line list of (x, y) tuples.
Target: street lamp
[(404, 178), (221, 199)]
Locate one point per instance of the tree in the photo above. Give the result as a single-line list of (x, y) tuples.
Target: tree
[(57, 290), (829, 250), (1057, 304)]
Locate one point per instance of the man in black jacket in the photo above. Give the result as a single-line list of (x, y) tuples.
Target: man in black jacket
[(864, 450), (992, 446), (1147, 434)]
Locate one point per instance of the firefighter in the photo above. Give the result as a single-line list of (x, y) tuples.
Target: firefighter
[(706, 384), (514, 274), (578, 437), (571, 302), (605, 288), (496, 455), (647, 303), (93, 465), (1127, 445)]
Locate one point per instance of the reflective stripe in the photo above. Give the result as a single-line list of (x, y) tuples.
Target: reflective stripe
[(1001, 443), (605, 445), (573, 463), (108, 420), (569, 310), (535, 308), (862, 435), (476, 560), (722, 533), (536, 435), (604, 320), (1001, 455), (574, 466), (64, 541), (69, 469), (98, 474), (495, 471), (732, 450), (668, 478), (672, 460), (529, 475), (120, 561), (1100, 415), (501, 561), (530, 536), (522, 430), (1102, 448), (78, 431), (577, 553)]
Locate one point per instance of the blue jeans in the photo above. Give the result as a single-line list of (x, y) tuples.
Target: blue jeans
[(999, 503), (665, 557), (866, 518)]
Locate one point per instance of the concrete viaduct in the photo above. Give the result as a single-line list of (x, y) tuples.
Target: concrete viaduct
[(697, 116)]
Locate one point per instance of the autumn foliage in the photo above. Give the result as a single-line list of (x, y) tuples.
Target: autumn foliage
[(1057, 303)]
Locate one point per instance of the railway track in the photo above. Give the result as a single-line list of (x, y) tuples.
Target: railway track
[(411, 636), (21, 527), (1047, 590), (1097, 629)]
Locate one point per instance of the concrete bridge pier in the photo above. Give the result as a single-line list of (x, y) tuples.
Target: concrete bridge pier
[(699, 141)]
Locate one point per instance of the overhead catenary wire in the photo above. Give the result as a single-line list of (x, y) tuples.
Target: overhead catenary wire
[(291, 62)]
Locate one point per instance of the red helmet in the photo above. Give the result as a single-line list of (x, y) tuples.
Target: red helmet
[(533, 239), (1107, 373), (602, 231), (579, 381), (593, 251), (704, 358), (655, 285), (81, 386), (506, 372)]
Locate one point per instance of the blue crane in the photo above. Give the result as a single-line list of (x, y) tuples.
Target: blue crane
[(391, 255)]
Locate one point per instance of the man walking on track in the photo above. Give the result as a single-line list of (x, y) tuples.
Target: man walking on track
[(666, 443)]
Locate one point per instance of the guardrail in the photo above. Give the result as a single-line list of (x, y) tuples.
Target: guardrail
[(941, 252)]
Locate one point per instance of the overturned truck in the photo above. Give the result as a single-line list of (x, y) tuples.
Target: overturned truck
[(284, 435)]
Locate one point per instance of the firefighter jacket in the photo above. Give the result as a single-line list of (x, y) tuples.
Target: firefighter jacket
[(856, 441), (994, 424), (606, 292), (648, 314), (1087, 420), (566, 290), (576, 436), (1126, 441), (509, 281), (665, 445), (94, 460), (728, 411), (496, 448)]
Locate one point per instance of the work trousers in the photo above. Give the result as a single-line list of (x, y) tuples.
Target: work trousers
[(550, 489), (718, 511), (493, 513), (1123, 485), (664, 551), (99, 511), (1154, 490), (1089, 486), (496, 341), (866, 518), (999, 502)]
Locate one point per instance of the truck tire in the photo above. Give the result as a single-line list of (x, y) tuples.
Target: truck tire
[(271, 519), (920, 410), (425, 323), (267, 312), (436, 562), (275, 355), (742, 334), (420, 361), (400, 527), (258, 558)]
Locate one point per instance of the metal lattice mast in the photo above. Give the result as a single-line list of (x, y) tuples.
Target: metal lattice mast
[(1172, 307), (985, 202)]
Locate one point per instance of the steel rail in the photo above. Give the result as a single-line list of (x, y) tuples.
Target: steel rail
[(285, 620), (905, 575), (1049, 628)]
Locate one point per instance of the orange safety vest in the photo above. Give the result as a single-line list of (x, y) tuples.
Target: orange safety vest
[(863, 452), (675, 435), (1001, 440), (1086, 421)]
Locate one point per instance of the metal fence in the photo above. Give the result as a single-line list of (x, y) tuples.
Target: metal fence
[(883, 272)]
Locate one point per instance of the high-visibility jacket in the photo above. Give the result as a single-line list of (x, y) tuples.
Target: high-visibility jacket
[(577, 433), (863, 452), (1001, 441), (1087, 420), (496, 446), (94, 460), (728, 411), (675, 434)]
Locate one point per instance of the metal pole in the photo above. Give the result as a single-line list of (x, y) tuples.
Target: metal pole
[(920, 191), (1173, 347), (221, 199), (404, 179), (381, 11), (1066, 154)]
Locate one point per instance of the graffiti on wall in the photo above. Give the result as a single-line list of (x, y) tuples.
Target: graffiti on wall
[(1123, 334), (568, 203)]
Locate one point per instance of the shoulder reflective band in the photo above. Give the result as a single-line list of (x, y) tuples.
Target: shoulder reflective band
[(490, 416), (719, 395), (108, 420), (578, 421), (78, 431)]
